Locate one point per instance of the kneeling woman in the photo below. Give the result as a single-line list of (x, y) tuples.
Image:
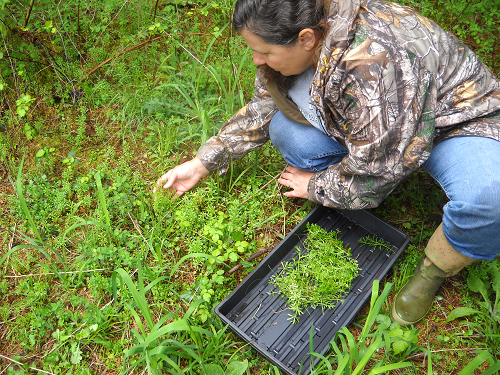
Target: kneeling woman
[(357, 95)]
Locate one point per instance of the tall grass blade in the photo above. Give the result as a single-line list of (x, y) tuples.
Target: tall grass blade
[(82, 223), (139, 298), (482, 355), (22, 202), (375, 305), (342, 364), (429, 360), (493, 370), (102, 198), (390, 367), (14, 249), (361, 364)]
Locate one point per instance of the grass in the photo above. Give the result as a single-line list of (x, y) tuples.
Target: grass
[(100, 275)]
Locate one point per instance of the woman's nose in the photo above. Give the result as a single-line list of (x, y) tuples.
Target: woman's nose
[(258, 59)]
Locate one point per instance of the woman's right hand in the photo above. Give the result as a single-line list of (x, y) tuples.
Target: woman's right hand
[(183, 177)]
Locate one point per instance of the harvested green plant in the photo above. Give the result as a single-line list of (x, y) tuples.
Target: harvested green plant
[(318, 276), (375, 242)]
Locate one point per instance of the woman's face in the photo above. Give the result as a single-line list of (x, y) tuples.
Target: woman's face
[(288, 60)]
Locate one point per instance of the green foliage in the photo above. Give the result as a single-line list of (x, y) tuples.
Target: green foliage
[(319, 275), (123, 92), (23, 104), (485, 280), (233, 368), (356, 354), (376, 242)]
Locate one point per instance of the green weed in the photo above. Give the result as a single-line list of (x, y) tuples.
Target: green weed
[(485, 280), (355, 355)]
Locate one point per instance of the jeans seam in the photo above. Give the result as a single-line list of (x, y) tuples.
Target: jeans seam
[(331, 153)]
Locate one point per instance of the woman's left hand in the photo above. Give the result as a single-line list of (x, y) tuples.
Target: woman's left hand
[(296, 179)]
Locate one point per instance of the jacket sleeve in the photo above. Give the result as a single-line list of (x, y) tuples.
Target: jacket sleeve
[(245, 131), (388, 128)]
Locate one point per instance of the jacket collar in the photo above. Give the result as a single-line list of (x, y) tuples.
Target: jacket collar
[(341, 16)]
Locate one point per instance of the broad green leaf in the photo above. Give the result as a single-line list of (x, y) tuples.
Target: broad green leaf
[(236, 367), (399, 346), (383, 320), (461, 312), (475, 284), (212, 369), (76, 354), (398, 332)]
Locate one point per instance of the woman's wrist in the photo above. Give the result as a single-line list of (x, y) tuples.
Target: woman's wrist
[(198, 168)]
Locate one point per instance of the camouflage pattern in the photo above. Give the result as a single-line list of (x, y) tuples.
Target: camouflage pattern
[(390, 84), (245, 131)]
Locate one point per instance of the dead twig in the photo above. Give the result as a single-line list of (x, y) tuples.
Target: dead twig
[(250, 258), (29, 13), (263, 186), (125, 51), (134, 48), (154, 15), (51, 273), (21, 364)]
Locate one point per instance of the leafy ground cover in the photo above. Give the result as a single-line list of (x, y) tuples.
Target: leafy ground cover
[(100, 275)]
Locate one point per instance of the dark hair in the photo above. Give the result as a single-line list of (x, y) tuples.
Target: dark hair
[(278, 21)]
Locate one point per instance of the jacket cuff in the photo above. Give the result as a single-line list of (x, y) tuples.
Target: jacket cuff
[(314, 191), (214, 155)]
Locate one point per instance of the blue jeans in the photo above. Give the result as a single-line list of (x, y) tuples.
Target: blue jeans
[(304, 147), (467, 168)]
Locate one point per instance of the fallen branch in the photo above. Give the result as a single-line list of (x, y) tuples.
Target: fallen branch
[(134, 48), (125, 51)]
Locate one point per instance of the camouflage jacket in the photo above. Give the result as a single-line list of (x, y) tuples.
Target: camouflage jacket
[(390, 84)]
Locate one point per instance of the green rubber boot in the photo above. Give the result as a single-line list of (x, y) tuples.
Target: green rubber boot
[(414, 300)]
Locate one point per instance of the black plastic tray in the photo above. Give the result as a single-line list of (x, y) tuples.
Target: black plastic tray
[(257, 314)]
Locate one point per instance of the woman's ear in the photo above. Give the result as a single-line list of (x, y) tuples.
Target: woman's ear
[(307, 37)]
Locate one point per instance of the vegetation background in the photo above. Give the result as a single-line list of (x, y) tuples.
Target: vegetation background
[(99, 275)]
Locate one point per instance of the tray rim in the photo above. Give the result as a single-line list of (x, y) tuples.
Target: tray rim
[(316, 211)]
